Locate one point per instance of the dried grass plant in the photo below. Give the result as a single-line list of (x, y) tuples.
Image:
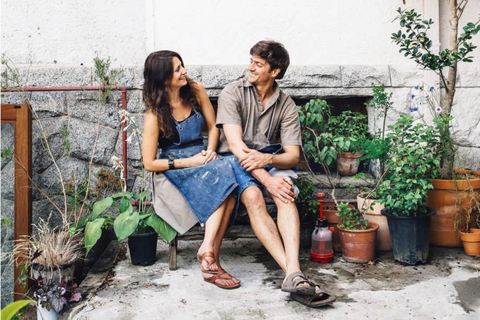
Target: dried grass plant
[(47, 251)]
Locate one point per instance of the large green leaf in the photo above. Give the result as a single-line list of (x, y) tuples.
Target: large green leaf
[(125, 206), (142, 195), (125, 224), (12, 308), (163, 229), (93, 232), (123, 194), (101, 206)]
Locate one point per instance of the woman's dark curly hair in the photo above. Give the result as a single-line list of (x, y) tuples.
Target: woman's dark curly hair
[(157, 72)]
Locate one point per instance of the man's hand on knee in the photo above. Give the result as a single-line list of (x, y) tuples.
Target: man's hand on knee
[(281, 188)]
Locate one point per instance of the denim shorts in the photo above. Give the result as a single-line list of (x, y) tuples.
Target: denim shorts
[(245, 179)]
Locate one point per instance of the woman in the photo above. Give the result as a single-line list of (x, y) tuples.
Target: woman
[(190, 183)]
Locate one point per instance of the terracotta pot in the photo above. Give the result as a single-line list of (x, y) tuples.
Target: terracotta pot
[(471, 243), (384, 242), (359, 245), (474, 230), (447, 200), (347, 163), (330, 212)]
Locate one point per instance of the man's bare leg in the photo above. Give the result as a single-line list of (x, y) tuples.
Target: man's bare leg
[(285, 252), (263, 225), (289, 227)]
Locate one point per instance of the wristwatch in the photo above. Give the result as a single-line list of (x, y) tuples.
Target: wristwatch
[(171, 164)]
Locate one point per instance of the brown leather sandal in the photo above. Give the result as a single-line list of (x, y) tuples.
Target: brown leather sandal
[(295, 283), (218, 276), (203, 257)]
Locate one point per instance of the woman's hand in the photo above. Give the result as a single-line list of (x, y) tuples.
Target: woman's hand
[(197, 160), (209, 155)]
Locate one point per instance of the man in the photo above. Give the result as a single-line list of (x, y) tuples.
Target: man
[(255, 115)]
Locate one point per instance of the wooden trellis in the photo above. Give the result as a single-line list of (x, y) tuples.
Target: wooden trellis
[(19, 115)]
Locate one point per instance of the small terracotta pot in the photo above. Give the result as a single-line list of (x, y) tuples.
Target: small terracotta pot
[(474, 230), (347, 163), (471, 243), (359, 245)]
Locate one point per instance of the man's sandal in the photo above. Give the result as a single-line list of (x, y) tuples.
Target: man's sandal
[(218, 276), (293, 284), (317, 300), (203, 257)]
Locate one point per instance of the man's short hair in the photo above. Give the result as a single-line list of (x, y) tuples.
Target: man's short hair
[(274, 53)]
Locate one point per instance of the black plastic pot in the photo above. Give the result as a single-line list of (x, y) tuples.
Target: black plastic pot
[(143, 248), (410, 236)]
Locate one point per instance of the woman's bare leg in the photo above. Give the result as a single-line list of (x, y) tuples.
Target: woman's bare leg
[(230, 205), (226, 211)]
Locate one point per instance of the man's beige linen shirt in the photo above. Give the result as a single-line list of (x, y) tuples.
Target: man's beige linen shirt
[(239, 104)]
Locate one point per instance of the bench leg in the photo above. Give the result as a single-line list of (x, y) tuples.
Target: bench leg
[(172, 255)]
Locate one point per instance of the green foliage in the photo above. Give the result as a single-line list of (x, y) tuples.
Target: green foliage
[(64, 133), (12, 309), (7, 152), (349, 131), (381, 99), (93, 232), (106, 76), (351, 218), (6, 221), (317, 141), (128, 221), (412, 162), (416, 45), (307, 203), (374, 148)]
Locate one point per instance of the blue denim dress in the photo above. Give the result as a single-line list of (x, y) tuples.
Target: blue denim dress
[(204, 187)]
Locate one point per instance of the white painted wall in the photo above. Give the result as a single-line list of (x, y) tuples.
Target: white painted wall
[(314, 31), (207, 32), (71, 33)]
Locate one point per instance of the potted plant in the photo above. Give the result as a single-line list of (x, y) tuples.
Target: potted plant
[(411, 163), (350, 132), (357, 235), (467, 217), (53, 297), (135, 219), (307, 206), (415, 44), (48, 259)]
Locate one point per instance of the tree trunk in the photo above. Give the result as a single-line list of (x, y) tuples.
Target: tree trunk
[(447, 165)]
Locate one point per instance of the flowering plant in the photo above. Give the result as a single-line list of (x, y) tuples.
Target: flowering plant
[(412, 161), (423, 97), (135, 213)]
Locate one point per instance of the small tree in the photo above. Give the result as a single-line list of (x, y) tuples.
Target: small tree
[(415, 44)]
